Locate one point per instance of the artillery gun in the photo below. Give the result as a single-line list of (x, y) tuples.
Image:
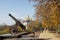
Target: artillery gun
[(18, 23)]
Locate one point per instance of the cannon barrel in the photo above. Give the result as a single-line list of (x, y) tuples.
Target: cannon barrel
[(18, 23), (13, 17)]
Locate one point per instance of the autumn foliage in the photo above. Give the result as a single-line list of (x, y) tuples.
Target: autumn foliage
[(48, 12)]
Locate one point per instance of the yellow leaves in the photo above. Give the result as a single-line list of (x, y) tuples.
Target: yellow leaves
[(6, 30), (19, 29), (52, 10), (53, 16), (44, 23)]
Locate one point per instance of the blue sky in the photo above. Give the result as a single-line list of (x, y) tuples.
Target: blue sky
[(18, 8)]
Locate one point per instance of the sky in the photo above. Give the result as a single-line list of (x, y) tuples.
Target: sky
[(20, 9)]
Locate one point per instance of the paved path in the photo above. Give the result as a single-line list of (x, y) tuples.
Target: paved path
[(50, 36)]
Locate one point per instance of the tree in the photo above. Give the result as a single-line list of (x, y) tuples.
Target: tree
[(49, 10), (34, 26)]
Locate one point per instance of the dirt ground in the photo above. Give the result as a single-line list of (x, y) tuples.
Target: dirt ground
[(51, 36), (44, 35)]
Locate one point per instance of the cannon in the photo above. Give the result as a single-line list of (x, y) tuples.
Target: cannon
[(18, 23)]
